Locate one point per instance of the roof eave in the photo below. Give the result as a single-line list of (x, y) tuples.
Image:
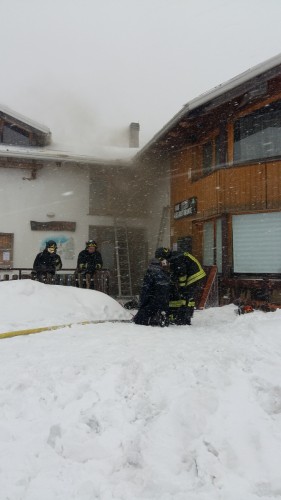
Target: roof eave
[(210, 96)]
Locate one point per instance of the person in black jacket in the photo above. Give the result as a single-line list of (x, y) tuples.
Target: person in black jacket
[(89, 260), (154, 296), (186, 279), (46, 263)]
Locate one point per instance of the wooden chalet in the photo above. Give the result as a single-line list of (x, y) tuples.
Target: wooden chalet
[(223, 150)]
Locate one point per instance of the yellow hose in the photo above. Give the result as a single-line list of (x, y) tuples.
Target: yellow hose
[(30, 331)]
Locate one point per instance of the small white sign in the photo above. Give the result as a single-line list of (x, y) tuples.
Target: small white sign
[(6, 256)]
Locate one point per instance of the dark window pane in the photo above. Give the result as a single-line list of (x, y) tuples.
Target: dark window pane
[(258, 135), (207, 157), (98, 196), (15, 136)]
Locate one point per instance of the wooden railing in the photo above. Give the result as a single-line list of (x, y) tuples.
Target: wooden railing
[(65, 277)]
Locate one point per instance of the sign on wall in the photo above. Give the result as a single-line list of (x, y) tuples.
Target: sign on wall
[(185, 208), (65, 245), (55, 225)]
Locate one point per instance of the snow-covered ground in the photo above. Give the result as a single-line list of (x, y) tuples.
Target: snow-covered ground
[(121, 411)]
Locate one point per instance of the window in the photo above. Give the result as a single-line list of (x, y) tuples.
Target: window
[(257, 243), (210, 154), (99, 188), (258, 135), (212, 244), (15, 136), (207, 157), (184, 244)]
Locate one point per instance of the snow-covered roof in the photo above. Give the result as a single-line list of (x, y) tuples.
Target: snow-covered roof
[(23, 119), (214, 93), (79, 151), (108, 155)]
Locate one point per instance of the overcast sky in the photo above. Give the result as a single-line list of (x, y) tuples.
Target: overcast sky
[(90, 67)]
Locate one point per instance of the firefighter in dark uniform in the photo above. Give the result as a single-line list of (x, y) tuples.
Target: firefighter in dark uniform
[(46, 263), (186, 278), (154, 296), (88, 262)]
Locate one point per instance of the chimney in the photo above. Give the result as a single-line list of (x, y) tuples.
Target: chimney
[(134, 130)]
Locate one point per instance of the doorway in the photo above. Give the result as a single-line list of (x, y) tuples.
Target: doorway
[(6, 250), (105, 236)]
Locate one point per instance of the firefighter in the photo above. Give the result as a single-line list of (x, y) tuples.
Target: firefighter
[(46, 263), (154, 296), (88, 262), (186, 279)]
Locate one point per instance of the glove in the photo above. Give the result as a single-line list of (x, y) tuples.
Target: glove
[(82, 267)]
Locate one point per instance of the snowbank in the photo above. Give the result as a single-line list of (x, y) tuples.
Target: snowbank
[(27, 303)]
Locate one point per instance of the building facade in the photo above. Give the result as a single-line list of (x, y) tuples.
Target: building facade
[(224, 155), (49, 194)]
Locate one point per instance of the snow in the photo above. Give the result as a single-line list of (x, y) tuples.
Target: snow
[(62, 152), (121, 411)]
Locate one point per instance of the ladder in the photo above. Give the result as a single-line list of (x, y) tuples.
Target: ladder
[(123, 261), (163, 225)]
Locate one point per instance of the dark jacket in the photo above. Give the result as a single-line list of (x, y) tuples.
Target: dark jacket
[(46, 262), (89, 262), (154, 296), (155, 288), (186, 268)]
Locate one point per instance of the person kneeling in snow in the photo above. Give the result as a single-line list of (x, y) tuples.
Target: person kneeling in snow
[(154, 296)]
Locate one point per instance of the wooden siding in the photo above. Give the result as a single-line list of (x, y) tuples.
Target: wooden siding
[(249, 188), (273, 183), (242, 188)]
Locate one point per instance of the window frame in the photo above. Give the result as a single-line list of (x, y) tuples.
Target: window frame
[(243, 113), (212, 140), (216, 255), (257, 113)]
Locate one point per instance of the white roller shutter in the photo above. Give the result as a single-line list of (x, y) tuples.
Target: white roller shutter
[(257, 243)]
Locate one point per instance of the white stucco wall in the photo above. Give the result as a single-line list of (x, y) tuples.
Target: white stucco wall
[(63, 191), (158, 189)]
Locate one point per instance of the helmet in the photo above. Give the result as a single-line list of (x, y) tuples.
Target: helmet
[(51, 244), (162, 253), (91, 243)]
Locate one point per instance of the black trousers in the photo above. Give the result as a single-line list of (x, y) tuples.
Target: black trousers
[(151, 316), (182, 304)]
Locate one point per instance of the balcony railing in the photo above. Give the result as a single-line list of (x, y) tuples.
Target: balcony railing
[(65, 277)]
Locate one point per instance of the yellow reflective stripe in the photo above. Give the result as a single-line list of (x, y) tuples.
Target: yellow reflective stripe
[(177, 303), (195, 277), (182, 280), (191, 303)]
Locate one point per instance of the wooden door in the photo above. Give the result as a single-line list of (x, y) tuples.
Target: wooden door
[(6, 250)]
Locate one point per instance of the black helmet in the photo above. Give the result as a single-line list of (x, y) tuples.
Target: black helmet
[(163, 253), (91, 243), (51, 244)]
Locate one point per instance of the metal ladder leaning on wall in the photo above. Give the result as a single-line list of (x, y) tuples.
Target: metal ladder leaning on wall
[(162, 226), (123, 261)]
